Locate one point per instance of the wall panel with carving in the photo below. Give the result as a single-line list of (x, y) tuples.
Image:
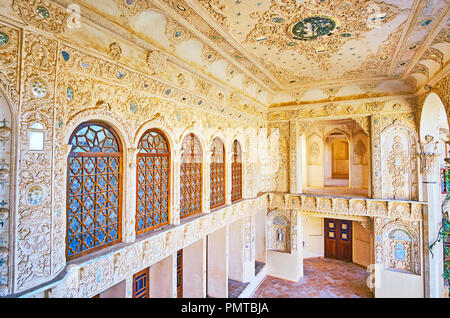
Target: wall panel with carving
[(62, 86)]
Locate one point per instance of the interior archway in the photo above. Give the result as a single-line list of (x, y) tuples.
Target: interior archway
[(337, 163)]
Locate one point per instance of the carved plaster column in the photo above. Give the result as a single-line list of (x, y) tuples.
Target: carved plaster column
[(433, 264), (228, 175), (129, 215), (293, 186), (175, 191), (207, 181)]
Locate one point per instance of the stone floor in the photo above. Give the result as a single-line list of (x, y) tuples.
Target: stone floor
[(323, 278), (235, 288), (337, 191), (258, 267)]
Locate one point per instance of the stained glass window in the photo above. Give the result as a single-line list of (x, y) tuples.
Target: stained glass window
[(236, 172), (94, 189), (217, 174), (191, 176), (153, 170)]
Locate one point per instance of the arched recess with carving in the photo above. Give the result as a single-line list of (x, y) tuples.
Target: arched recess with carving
[(94, 189), (152, 181), (8, 164), (278, 227), (401, 248), (399, 163)]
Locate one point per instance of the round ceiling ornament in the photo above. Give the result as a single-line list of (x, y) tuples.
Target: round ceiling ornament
[(313, 27)]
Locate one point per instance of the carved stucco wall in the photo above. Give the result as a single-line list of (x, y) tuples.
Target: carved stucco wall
[(61, 86)]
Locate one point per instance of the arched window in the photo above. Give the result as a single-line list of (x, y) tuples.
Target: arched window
[(191, 176), (236, 172), (94, 189), (153, 171), (217, 174)]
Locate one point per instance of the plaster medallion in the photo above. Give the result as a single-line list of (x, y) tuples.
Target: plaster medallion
[(314, 27)]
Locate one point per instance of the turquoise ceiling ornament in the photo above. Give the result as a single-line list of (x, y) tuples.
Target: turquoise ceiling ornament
[(4, 39), (312, 28)]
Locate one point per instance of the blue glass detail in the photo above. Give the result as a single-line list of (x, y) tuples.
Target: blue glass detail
[(42, 12), (4, 39), (399, 252), (65, 55)]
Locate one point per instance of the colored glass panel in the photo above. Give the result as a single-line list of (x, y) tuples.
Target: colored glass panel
[(152, 192), (94, 189), (217, 174), (191, 176)]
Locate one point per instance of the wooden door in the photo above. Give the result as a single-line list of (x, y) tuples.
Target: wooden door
[(141, 288), (338, 239)]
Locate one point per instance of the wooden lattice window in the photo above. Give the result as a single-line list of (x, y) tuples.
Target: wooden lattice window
[(141, 284), (217, 174), (180, 274), (94, 186), (191, 177), (153, 179), (236, 172)]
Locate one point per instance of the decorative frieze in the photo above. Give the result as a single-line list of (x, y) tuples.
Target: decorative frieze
[(347, 206)]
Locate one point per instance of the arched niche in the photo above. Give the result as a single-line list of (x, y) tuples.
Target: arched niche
[(278, 232), (401, 248), (434, 128), (336, 158)]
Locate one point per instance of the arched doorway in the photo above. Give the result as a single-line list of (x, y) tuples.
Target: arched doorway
[(337, 163), (434, 135)]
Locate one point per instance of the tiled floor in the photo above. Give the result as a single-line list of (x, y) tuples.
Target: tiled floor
[(323, 278)]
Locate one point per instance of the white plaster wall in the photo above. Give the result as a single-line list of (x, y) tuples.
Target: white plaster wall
[(398, 285), (260, 236), (162, 276), (236, 251), (218, 263), (116, 291), (313, 236), (194, 270), (361, 245)]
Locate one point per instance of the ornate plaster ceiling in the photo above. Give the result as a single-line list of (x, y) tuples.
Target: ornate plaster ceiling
[(340, 40), (297, 50)]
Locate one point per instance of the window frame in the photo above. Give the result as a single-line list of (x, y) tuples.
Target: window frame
[(192, 155), (120, 187), (169, 183), (211, 175)]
